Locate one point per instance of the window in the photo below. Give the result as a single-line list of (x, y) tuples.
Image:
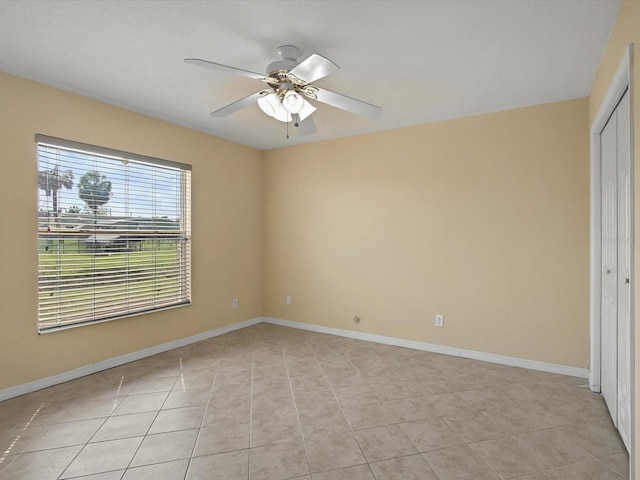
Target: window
[(114, 234)]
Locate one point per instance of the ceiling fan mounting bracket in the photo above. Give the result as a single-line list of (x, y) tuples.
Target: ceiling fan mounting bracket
[(289, 52), (290, 56)]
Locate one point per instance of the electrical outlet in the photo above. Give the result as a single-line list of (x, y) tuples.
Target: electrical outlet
[(287, 299), (235, 303), (439, 320)]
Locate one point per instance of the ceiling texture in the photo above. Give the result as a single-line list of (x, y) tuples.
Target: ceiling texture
[(421, 61)]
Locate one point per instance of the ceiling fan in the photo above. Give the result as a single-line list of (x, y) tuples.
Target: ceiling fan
[(289, 86)]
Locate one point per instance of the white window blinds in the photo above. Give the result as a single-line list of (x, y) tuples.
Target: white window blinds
[(114, 232)]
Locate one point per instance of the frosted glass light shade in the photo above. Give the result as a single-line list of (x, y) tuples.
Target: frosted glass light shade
[(292, 102), (265, 105), (272, 106), (306, 110), (280, 113)]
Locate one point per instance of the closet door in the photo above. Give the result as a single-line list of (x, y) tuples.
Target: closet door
[(615, 362)]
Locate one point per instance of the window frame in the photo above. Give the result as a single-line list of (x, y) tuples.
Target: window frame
[(184, 265)]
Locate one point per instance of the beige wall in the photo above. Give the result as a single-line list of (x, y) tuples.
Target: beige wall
[(483, 219), (227, 219), (625, 32)]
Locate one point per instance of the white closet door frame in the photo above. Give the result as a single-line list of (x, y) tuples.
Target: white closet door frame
[(620, 83)]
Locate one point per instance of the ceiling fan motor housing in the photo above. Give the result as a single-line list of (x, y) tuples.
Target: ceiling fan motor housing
[(280, 66)]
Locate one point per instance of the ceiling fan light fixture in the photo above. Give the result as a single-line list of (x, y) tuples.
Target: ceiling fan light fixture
[(266, 105), (271, 105), (306, 110), (280, 113), (293, 102)]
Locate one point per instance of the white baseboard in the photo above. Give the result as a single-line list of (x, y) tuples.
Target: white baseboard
[(29, 387), (429, 347)]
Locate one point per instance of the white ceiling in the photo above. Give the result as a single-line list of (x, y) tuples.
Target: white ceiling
[(421, 61)]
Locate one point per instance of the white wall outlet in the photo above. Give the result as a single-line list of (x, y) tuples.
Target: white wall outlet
[(235, 303), (439, 320), (287, 299)]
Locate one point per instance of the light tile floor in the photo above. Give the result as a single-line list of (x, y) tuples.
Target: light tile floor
[(273, 403)]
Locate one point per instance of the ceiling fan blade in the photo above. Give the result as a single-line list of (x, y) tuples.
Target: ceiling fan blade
[(314, 67), (349, 104), (237, 105), (219, 66), (307, 126)]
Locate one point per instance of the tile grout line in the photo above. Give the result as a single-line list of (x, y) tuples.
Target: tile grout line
[(338, 402), (85, 444), (7, 453), (250, 409), (148, 429), (599, 459), (133, 413), (154, 418), (295, 406), (206, 407), (393, 417)]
